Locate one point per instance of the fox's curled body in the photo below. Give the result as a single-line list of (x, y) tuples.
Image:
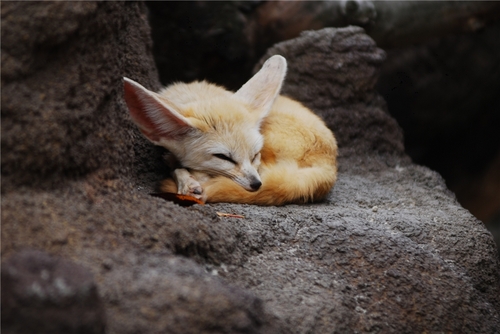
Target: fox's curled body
[(251, 146)]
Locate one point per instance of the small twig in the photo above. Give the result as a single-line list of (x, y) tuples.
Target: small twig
[(229, 215)]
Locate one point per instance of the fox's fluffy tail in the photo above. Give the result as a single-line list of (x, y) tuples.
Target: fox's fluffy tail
[(281, 184)]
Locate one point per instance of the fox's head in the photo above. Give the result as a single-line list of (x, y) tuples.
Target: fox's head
[(219, 135)]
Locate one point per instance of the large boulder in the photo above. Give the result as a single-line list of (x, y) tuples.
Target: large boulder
[(389, 250)]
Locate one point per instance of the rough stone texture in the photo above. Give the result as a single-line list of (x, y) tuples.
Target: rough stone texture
[(62, 69), (44, 294), (340, 88), (129, 240), (374, 259), (389, 251), (178, 296)]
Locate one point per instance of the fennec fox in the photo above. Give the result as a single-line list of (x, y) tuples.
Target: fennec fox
[(251, 146)]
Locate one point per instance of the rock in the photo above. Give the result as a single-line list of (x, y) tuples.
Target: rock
[(340, 267), (336, 78), (45, 294), (178, 296), (78, 188), (62, 69)]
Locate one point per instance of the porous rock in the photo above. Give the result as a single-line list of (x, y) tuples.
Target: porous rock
[(45, 294), (62, 100), (390, 250), (336, 77)]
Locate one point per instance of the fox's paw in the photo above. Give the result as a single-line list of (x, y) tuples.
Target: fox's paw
[(187, 184), (191, 187)]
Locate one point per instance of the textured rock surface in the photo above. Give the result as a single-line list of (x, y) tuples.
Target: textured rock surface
[(62, 68), (335, 77), (390, 250), (44, 294), (374, 259)]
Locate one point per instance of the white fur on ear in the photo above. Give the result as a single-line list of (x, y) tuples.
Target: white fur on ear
[(261, 90), (155, 118)]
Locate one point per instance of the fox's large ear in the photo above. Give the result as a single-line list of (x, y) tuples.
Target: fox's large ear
[(263, 88), (154, 117)]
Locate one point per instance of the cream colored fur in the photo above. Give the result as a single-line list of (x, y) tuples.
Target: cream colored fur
[(251, 146)]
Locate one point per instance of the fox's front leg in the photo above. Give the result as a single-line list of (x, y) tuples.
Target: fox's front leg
[(186, 183), (182, 182)]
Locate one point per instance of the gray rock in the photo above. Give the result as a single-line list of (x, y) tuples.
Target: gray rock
[(45, 294), (334, 74), (171, 294), (62, 100), (340, 267)]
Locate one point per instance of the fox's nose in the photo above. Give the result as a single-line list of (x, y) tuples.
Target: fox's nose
[(255, 185)]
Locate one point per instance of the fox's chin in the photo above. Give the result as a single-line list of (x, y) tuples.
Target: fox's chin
[(250, 189)]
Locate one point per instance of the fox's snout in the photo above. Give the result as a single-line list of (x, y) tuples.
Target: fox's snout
[(250, 181), (255, 184)]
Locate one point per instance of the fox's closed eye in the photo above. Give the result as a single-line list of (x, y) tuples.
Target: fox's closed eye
[(224, 157)]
